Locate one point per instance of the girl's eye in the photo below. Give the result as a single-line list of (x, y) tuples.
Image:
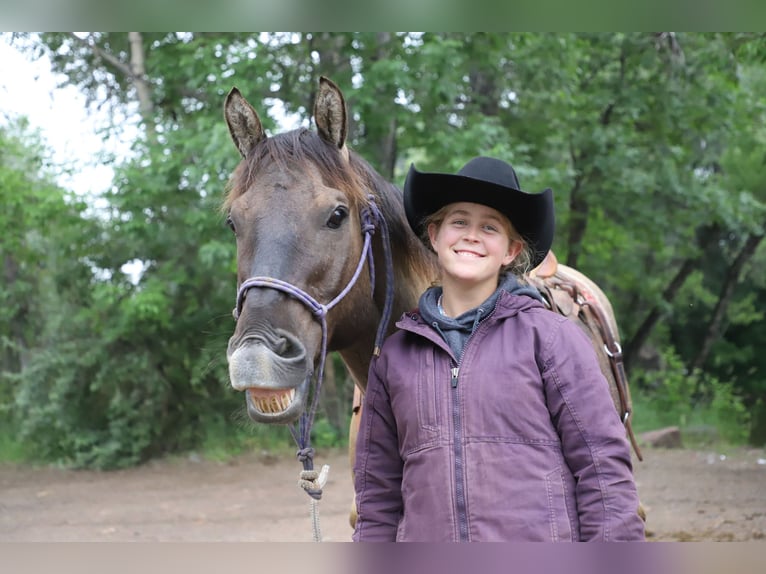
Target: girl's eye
[(337, 216)]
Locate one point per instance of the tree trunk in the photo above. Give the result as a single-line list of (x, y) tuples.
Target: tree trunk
[(12, 359), (715, 330), (483, 79), (642, 334), (135, 71), (385, 149), (579, 207), (138, 72), (578, 220), (670, 292), (336, 394)]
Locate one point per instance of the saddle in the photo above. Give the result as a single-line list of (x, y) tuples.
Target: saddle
[(571, 294)]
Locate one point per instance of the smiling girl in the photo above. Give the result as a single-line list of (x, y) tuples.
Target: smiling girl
[(486, 416)]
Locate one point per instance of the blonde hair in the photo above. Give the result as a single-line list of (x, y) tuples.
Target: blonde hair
[(521, 264)]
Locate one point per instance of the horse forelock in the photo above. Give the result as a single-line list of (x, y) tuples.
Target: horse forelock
[(291, 151)]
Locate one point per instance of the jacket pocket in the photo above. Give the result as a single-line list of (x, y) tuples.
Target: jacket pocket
[(558, 514), (428, 407)]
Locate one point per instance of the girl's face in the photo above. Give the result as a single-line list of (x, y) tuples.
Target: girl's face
[(473, 243)]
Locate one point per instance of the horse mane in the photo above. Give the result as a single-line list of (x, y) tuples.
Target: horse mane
[(296, 147), (301, 146)]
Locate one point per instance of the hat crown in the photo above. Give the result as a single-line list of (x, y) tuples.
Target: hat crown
[(491, 170)]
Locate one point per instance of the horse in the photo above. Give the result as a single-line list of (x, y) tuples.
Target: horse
[(326, 262)]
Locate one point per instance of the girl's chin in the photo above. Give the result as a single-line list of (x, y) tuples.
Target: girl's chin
[(469, 279)]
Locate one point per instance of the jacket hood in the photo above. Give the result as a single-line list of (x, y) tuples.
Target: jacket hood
[(508, 304)]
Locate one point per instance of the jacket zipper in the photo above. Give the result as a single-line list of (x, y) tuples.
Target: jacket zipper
[(462, 514), (457, 423)]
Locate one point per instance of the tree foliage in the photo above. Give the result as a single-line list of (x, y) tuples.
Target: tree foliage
[(653, 144)]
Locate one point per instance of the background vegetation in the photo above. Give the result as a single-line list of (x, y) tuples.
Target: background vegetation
[(653, 144)]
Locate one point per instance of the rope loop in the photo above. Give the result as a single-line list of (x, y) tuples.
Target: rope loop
[(368, 227), (313, 481)]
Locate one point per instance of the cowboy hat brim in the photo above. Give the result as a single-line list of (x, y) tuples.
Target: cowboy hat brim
[(531, 214)]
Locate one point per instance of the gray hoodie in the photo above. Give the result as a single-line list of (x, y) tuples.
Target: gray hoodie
[(456, 330)]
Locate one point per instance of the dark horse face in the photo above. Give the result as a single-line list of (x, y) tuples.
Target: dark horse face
[(293, 204)]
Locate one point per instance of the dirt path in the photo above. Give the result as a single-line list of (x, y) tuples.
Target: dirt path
[(689, 495)]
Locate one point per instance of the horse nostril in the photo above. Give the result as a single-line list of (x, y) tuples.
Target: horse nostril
[(280, 346)]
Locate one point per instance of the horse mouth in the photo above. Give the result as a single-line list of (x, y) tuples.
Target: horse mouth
[(270, 402), (275, 386)]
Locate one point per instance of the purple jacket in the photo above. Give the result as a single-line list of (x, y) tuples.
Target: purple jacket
[(519, 442)]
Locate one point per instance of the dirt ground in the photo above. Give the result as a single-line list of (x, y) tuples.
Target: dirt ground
[(690, 495)]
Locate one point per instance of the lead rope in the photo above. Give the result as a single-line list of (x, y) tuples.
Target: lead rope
[(309, 479)]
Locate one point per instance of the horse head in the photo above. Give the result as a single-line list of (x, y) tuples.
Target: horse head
[(303, 209)]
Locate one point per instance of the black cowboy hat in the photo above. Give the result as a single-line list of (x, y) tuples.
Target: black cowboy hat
[(488, 181)]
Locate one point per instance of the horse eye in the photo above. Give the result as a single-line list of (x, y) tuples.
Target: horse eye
[(230, 223), (336, 218)]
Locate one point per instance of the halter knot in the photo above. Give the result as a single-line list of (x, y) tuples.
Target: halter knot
[(306, 456), (369, 216)]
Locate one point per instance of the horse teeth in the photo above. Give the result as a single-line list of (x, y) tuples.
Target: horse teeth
[(276, 403)]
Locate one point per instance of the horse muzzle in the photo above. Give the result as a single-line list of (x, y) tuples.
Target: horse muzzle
[(275, 375)]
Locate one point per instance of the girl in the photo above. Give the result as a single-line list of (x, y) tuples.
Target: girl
[(486, 417)]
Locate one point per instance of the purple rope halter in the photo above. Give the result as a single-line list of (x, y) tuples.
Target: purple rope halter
[(369, 216)]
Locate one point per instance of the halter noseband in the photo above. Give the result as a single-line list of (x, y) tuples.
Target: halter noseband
[(370, 215)]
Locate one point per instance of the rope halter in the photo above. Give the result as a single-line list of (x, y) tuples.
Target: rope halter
[(370, 215)]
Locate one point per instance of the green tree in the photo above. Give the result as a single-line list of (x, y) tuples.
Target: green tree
[(47, 271), (651, 142)]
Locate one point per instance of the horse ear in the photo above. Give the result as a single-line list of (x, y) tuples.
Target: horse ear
[(330, 113), (243, 121)]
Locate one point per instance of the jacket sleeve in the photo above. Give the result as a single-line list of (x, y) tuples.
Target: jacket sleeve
[(593, 438), (378, 466)]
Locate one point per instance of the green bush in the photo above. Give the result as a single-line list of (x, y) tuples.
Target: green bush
[(691, 401), (229, 436)]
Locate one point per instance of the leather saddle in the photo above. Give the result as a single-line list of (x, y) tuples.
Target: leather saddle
[(570, 293)]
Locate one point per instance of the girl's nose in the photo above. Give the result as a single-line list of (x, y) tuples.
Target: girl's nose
[(471, 233)]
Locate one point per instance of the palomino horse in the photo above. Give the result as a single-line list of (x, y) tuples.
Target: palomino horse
[(326, 261)]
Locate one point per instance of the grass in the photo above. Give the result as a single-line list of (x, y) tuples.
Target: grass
[(703, 425), (11, 450), (225, 439)]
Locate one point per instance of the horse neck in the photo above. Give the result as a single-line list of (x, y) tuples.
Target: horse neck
[(413, 269)]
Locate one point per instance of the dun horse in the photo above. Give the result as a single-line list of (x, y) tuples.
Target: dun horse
[(326, 262)]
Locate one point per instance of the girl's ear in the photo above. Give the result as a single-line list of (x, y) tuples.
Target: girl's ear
[(514, 248), (433, 230)]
